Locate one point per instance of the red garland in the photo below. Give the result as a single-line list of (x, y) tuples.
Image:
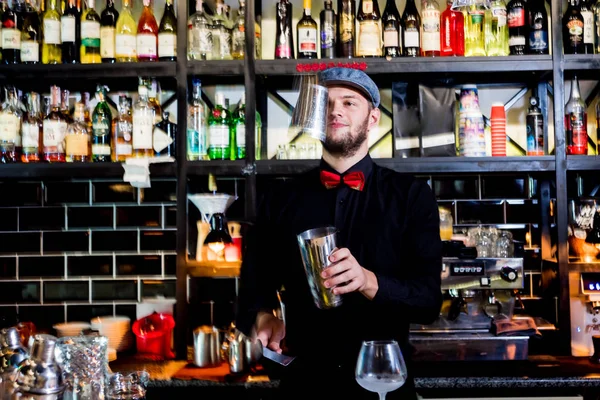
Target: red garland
[(316, 66)]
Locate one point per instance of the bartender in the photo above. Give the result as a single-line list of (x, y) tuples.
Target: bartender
[(386, 268)]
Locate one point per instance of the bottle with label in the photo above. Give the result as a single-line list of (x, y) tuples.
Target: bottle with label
[(238, 36), (284, 40), (31, 130), (576, 122), (596, 10), (70, 33), (108, 23), (31, 37), (122, 128), (475, 30), (196, 124), (573, 29), (496, 34), (85, 96), (147, 35), (306, 33), (516, 11), (239, 126), (11, 36), (369, 29), (165, 137), (346, 27), (143, 125), (219, 123), (452, 32), (221, 33), (535, 128), (78, 137), (200, 43), (64, 105), (411, 20), (587, 13), (10, 126), (430, 29), (125, 35), (54, 130), (392, 30), (328, 26), (538, 28), (167, 34), (153, 96), (101, 124), (90, 35)]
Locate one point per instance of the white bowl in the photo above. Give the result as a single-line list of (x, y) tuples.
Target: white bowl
[(115, 329), (70, 328)]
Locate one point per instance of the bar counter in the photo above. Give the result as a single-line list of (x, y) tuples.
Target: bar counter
[(539, 376)]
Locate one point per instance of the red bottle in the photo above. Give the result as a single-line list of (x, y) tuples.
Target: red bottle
[(452, 32)]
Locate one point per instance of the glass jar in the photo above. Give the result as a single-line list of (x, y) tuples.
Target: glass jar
[(446, 223), (505, 247)]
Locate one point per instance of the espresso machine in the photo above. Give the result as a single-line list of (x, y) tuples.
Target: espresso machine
[(585, 313), (475, 291)]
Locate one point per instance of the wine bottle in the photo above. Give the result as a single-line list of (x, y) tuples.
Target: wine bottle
[(430, 28), (31, 36), (306, 33), (346, 28), (369, 29), (70, 33), (167, 34), (588, 27), (108, 23), (147, 35), (392, 30), (11, 36), (328, 31), (412, 30), (284, 41), (125, 35), (90, 35)]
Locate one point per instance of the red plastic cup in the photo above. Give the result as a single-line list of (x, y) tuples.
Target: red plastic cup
[(498, 122)]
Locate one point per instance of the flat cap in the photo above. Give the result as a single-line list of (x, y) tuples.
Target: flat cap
[(354, 78)]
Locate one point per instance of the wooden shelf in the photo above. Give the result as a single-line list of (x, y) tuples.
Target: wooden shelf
[(213, 269)]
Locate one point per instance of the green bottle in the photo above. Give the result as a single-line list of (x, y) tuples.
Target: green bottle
[(475, 30), (101, 124), (239, 126), (219, 130)]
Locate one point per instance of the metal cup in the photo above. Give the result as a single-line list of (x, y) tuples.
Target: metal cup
[(315, 247), (207, 346), (310, 114)]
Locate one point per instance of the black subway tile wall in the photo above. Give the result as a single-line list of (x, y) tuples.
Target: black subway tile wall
[(74, 250)]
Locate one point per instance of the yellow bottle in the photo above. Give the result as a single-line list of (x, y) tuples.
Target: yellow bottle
[(51, 46), (474, 31), (90, 35)]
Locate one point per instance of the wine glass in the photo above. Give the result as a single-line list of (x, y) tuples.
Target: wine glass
[(380, 367)]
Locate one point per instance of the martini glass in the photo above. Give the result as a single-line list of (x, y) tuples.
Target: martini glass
[(380, 367)]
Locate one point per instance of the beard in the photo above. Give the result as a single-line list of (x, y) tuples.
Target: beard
[(349, 143)]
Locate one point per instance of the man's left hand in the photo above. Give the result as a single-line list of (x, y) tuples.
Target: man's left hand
[(346, 275)]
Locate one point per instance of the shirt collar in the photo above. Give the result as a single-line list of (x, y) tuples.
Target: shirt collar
[(365, 166)]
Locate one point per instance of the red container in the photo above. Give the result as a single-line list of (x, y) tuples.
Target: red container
[(154, 335)]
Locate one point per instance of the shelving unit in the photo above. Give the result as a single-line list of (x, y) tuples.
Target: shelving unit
[(529, 68)]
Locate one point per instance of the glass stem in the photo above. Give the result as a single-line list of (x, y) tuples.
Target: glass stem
[(382, 396)]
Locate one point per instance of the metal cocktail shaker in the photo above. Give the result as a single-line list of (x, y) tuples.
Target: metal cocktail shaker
[(316, 245), (310, 114)]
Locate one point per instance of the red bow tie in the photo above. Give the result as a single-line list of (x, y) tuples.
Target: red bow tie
[(355, 180)]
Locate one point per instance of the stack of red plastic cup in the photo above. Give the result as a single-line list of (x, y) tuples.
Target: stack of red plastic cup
[(498, 119)]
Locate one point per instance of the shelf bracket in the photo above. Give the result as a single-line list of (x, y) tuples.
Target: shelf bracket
[(249, 169)]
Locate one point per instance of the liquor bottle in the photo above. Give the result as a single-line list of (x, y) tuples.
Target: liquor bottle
[(257, 39), (392, 30), (596, 9), (535, 128), (147, 35), (90, 35), (219, 122), (167, 34), (78, 137), (496, 39), (221, 33), (64, 105), (588, 27), (31, 36), (284, 40), (101, 124), (538, 28), (143, 125), (108, 23), (369, 29), (11, 36), (328, 26), (430, 30), (200, 43), (125, 35), (346, 28), (573, 29), (475, 30), (516, 11), (306, 33), (10, 126), (85, 96), (54, 130), (238, 37), (70, 33), (239, 125), (196, 124), (452, 32), (122, 129), (165, 137), (576, 121), (31, 130), (153, 96), (412, 30)]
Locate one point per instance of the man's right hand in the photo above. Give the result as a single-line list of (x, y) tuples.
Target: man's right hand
[(270, 330)]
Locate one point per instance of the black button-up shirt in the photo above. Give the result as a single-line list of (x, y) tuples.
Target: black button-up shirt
[(391, 228)]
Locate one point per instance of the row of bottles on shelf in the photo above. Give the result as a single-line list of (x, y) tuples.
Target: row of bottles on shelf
[(81, 35), (31, 134), (484, 28)]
